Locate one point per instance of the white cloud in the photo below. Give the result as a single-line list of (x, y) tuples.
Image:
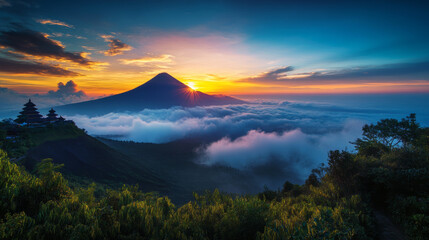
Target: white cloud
[(215, 122), (293, 151)]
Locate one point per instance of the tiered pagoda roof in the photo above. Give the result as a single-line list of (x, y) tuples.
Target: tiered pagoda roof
[(52, 116), (29, 114)]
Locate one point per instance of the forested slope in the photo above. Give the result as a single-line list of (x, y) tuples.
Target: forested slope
[(388, 173)]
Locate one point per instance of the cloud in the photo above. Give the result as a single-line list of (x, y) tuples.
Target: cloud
[(68, 90), (58, 34), (116, 46), (165, 58), (272, 75), (387, 72), (4, 3), (106, 37), (293, 153), (380, 73), (54, 22), (89, 48), (67, 93), (263, 139), (216, 122), (272, 140), (64, 94), (33, 68), (37, 44), (278, 72)]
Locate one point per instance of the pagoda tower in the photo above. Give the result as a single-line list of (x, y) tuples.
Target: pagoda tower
[(52, 116), (29, 114)]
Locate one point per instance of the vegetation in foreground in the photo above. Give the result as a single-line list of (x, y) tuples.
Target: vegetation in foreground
[(388, 171)]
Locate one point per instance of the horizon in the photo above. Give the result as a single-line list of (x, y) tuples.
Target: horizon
[(227, 48), (222, 119)]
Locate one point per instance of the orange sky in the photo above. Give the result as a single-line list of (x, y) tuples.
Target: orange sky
[(217, 47), (210, 63)]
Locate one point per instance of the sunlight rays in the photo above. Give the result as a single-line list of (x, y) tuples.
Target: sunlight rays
[(191, 95)]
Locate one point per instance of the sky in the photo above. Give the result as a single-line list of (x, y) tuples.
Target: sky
[(87, 49)]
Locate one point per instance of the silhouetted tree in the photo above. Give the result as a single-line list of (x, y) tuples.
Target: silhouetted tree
[(387, 134)]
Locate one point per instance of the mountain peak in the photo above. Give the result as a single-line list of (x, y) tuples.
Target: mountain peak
[(162, 91), (164, 79), (163, 74)]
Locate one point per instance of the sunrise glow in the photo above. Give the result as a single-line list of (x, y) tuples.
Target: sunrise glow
[(192, 85), (212, 56), (231, 119)]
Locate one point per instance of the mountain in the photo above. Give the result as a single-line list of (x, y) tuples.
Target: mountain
[(162, 91), (169, 168)]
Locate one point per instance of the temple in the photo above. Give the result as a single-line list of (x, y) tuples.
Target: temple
[(29, 115), (52, 116)]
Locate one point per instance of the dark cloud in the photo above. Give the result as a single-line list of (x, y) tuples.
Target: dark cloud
[(380, 73), (280, 71), (64, 94), (21, 67), (67, 90), (67, 93), (274, 75), (34, 43), (388, 72), (4, 3), (116, 46)]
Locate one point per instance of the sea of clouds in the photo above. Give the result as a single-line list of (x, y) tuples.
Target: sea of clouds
[(166, 125), (272, 138), (268, 137)]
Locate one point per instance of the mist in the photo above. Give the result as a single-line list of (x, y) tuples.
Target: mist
[(271, 139), (290, 153)]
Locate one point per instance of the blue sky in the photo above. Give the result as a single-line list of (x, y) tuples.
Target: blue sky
[(333, 46)]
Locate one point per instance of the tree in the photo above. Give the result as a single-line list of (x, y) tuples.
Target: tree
[(342, 169), (312, 180), (387, 134), (53, 185)]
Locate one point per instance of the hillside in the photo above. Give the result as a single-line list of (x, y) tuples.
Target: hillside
[(85, 156), (175, 162), (165, 168), (360, 195)]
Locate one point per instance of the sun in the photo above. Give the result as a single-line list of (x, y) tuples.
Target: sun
[(191, 85)]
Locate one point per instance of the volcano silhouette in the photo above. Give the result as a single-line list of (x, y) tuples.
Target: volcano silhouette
[(162, 91)]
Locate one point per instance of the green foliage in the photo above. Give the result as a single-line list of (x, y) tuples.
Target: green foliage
[(44, 207), (305, 218), (332, 204), (413, 213), (16, 226), (391, 167), (390, 133), (344, 171), (16, 140)]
